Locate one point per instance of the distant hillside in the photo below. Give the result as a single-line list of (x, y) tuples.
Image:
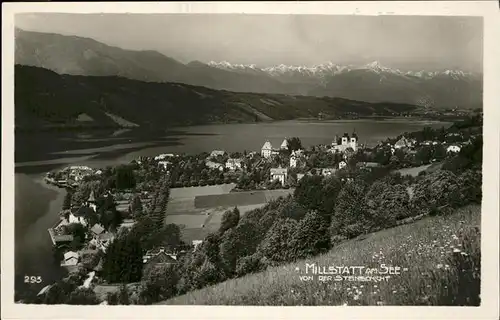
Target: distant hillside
[(45, 98), (372, 82)]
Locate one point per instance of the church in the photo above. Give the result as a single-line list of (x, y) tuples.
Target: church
[(343, 143)]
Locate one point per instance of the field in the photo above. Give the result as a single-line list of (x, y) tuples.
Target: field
[(198, 210), (429, 168), (439, 259)]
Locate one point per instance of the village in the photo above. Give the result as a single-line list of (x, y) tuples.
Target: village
[(82, 240)]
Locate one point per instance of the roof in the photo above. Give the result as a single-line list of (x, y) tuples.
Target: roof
[(91, 196), (83, 211), (284, 144), (372, 164), (402, 142), (162, 257), (217, 152), (267, 146), (97, 229), (70, 254), (106, 236), (63, 238)]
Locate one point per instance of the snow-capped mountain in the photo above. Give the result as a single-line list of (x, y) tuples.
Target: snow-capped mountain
[(332, 69)]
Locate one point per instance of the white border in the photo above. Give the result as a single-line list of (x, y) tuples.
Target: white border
[(490, 222)]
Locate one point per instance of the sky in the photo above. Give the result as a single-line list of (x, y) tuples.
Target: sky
[(405, 42)]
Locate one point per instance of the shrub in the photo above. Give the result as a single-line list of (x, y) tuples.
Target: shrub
[(249, 264), (230, 219)]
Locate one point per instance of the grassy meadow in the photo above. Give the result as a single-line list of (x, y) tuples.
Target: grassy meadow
[(439, 259)]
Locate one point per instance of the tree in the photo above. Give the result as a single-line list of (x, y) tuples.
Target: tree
[(440, 189), (136, 208), (308, 192), (67, 200), (230, 219), (123, 260), (387, 203), (350, 218), (311, 236), (160, 283), (238, 242), (124, 177), (276, 246), (294, 144)]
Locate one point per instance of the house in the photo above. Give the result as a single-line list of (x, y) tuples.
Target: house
[(300, 176), (234, 164), (216, 153), (196, 244), (293, 161), (325, 172), (367, 165), (164, 164), (214, 165), (267, 149), (101, 238), (284, 144), (342, 165), (58, 232), (298, 153), (91, 201), (279, 174), (80, 214), (96, 230), (453, 149), (346, 141), (164, 156), (71, 259), (402, 143)]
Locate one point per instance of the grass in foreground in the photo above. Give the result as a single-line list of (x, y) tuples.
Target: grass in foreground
[(441, 254)]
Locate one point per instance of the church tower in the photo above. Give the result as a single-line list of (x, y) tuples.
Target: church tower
[(354, 140)]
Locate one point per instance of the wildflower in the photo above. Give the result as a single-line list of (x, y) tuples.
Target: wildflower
[(446, 266), (356, 297), (375, 286), (456, 250), (439, 266), (380, 303), (394, 291), (344, 304), (463, 253)]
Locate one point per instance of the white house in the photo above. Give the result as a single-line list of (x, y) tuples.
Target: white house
[(214, 165), (284, 144), (217, 153), (234, 164), (453, 148), (342, 165), (164, 164), (80, 215), (267, 149), (402, 143), (70, 259), (279, 174), (293, 161), (325, 172), (196, 244), (164, 156)]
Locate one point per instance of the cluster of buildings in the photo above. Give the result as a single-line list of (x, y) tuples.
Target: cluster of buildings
[(71, 176)]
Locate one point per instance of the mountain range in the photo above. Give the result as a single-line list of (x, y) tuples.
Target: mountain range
[(372, 82), (44, 99)]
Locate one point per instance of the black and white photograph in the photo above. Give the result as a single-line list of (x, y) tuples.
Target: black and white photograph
[(248, 159)]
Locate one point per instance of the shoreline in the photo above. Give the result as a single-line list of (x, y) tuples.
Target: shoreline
[(34, 247)]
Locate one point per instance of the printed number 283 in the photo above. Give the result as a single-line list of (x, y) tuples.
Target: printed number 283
[(32, 279)]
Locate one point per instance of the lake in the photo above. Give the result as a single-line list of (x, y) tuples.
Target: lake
[(37, 205)]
